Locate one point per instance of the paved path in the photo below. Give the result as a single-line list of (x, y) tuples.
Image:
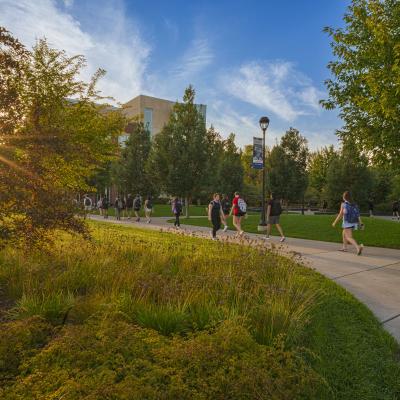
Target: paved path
[(373, 278)]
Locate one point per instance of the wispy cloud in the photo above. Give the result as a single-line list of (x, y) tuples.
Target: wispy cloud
[(197, 57), (116, 47), (274, 86)]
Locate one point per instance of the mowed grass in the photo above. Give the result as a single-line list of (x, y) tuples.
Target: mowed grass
[(137, 314), (163, 210), (378, 232)]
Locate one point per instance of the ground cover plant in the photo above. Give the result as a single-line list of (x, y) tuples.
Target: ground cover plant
[(378, 232), (138, 314)]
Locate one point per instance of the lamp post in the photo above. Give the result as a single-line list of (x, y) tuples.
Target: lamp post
[(264, 122)]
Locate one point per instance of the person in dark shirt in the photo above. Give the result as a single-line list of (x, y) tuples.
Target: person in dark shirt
[(129, 205), (274, 211), (226, 209), (215, 215), (371, 208), (395, 210)]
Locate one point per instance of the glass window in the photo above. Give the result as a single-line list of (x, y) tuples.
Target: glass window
[(148, 119)]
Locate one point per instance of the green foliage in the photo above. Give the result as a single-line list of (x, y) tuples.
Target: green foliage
[(366, 78), (53, 138)]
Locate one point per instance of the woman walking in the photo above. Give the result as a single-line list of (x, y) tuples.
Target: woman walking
[(238, 210), (351, 221), (148, 208), (215, 215)]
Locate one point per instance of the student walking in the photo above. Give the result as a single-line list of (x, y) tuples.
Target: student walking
[(215, 215), (239, 209), (177, 211), (87, 205), (226, 208), (100, 206), (148, 208), (395, 210), (119, 206), (351, 221), (274, 211), (104, 205), (137, 204), (371, 208), (129, 205)]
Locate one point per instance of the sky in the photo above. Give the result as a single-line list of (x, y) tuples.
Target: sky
[(245, 59)]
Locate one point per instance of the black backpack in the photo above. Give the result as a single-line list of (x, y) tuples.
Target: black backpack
[(87, 202), (137, 203)]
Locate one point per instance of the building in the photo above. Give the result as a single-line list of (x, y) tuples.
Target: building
[(153, 112)]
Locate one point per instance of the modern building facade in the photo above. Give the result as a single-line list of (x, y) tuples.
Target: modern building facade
[(153, 112)]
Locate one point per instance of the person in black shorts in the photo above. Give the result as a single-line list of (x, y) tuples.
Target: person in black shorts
[(274, 211), (226, 209), (129, 206), (215, 215), (137, 204), (395, 210), (177, 210)]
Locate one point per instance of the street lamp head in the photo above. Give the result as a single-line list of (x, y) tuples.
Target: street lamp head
[(264, 122)]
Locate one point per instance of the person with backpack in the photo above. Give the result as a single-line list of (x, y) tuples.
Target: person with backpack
[(119, 206), (129, 205), (104, 205), (395, 210), (148, 208), (215, 215), (350, 213), (274, 211), (177, 211), (87, 205), (239, 210), (226, 208), (137, 204)]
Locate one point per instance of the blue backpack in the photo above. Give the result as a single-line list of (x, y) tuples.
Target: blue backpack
[(352, 213)]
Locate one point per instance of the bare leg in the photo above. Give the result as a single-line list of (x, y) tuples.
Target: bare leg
[(348, 234), (280, 230), (268, 229), (344, 240)]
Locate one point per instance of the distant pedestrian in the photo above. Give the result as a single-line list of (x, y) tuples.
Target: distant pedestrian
[(371, 208), (129, 205), (239, 210), (395, 210), (226, 208), (104, 205), (119, 206), (215, 215), (100, 205), (274, 211), (148, 208), (324, 206), (137, 205), (177, 211), (87, 205), (350, 213)]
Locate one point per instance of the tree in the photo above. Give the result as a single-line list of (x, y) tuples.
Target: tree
[(318, 165), (230, 171), (129, 173), (366, 78), (178, 157), (348, 171), (50, 144)]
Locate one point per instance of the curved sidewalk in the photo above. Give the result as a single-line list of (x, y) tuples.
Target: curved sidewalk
[(374, 278)]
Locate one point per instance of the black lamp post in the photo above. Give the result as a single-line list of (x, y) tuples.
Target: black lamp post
[(264, 122)]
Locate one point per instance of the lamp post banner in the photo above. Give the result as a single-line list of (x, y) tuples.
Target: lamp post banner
[(257, 153)]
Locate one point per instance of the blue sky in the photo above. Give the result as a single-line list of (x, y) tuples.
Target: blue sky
[(245, 58)]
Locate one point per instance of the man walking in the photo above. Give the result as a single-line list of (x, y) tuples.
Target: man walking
[(119, 206), (129, 205), (395, 210), (274, 211), (226, 208), (87, 205), (137, 204), (215, 215), (177, 210)]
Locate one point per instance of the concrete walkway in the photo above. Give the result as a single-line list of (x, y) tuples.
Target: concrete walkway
[(374, 278)]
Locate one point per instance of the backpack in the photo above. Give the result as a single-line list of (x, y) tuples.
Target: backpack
[(352, 213), (149, 204), (87, 202), (177, 207), (137, 203), (242, 205)]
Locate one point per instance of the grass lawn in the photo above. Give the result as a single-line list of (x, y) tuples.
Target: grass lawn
[(138, 314), (378, 232), (163, 210)]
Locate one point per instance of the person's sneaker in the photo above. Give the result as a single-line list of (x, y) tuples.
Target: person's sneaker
[(225, 228), (149, 221), (282, 239), (360, 250), (266, 237), (241, 233)]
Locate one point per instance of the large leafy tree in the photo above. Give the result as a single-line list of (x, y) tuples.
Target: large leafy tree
[(50, 144), (178, 159), (366, 78), (129, 171)]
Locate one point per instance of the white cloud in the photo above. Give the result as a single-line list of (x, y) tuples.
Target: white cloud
[(197, 57), (117, 46), (273, 86)]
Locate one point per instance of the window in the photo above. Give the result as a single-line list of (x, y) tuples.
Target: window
[(148, 120)]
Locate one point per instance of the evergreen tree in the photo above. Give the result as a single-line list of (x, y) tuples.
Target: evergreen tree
[(178, 158)]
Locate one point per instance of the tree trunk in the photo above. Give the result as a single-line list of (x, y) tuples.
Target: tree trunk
[(187, 206)]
